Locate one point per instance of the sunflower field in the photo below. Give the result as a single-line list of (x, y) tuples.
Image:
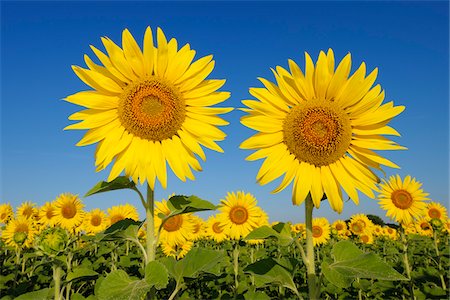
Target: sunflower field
[(150, 110)]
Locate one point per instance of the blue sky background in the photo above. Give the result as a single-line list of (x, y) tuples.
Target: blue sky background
[(407, 41)]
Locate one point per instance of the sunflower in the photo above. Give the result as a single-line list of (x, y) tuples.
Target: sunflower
[(392, 232), (177, 229), (377, 230), (69, 212), (366, 238), (216, 230), (320, 231), (121, 212), (319, 129), (447, 225), (149, 107), (95, 221), (28, 210), (6, 213), (239, 213), (402, 200), (47, 214), (199, 228), (435, 210), (298, 228), (177, 250), (359, 224), (424, 227), (340, 226), (20, 232)]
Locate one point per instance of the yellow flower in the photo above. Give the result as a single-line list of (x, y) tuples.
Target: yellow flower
[(392, 232), (216, 230), (177, 229), (435, 210), (47, 214), (121, 212), (95, 221), (298, 228), (177, 250), (447, 225), (239, 213), (366, 238), (377, 230), (199, 228), (359, 224), (20, 232), (340, 226), (6, 213), (402, 200), (320, 231), (423, 227), (149, 107), (28, 210), (69, 212), (319, 129)]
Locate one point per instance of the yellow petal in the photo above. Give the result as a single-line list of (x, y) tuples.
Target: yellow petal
[(205, 88), (148, 51), (98, 81), (133, 53), (118, 59), (207, 100), (94, 99), (262, 140)]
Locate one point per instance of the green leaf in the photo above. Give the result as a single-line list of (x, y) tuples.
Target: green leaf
[(260, 295), (118, 285), (121, 225), (121, 182), (184, 204), (36, 295), (80, 272), (200, 260), (335, 277), (156, 275), (77, 296), (267, 271), (284, 238)]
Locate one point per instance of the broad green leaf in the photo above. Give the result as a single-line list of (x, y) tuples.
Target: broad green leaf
[(156, 275), (77, 296), (345, 250), (266, 232), (367, 265), (184, 204), (267, 271), (200, 260), (121, 182), (80, 272), (335, 277), (121, 226), (118, 285), (260, 295), (37, 295)]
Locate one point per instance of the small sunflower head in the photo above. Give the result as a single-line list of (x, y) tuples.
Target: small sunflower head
[(53, 240)]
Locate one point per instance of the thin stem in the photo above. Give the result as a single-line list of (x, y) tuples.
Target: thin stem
[(313, 290), (136, 241), (236, 266), (144, 204), (149, 209), (174, 293), (444, 286), (57, 280), (406, 262), (302, 251)]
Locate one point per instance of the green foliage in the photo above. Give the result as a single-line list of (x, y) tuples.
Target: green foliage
[(281, 232), (121, 182), (35, 295), (81, 273)]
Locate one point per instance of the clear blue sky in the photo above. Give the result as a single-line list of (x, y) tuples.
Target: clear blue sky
[(407, 41)]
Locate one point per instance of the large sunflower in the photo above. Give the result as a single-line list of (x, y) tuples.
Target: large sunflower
[(402, 200), (149, 107), (239, 213), (20, 232), (320, 129), (69, 212)]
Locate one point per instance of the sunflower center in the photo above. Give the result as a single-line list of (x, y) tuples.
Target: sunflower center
[(197, 227), (339, 227), (390, 231), (49, 214), (69, 210), (152, 109), (173, 223), (238, 215), (96, 220), (357, 228), (364, 239), (317, 231), (27, 212), (434, 213), (317, 132), (217, 228), (3, 216), (425, 226), (401, 199), (117, 218)]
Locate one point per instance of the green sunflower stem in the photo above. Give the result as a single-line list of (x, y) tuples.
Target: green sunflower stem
[(406, 262), (57, 280), (313, 289), (436, 248), (236, 266), (149, 209)]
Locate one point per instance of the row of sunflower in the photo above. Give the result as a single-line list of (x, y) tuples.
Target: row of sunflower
[(238, 215)]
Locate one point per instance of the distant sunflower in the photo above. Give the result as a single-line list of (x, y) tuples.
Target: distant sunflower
[(423, 227), (377, 230), (319, 129), (408, 228), (149, 107), (177, 229), (47, 214), (435, 210), (121, 212), (69, 212), (359, 224), (19, 233), (366, 238), (177, 251), (199, 228), (339, 225), (447, 225), (28, 210), (298, 228), (239, 213), (95, 221), (6, 213), (320, 231), (402, 200), (216, 230)]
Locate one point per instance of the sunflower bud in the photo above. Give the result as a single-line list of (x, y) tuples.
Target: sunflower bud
[(20, 237), (53, 240), (436, 223)]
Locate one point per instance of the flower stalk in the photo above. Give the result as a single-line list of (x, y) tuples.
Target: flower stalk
[(149, 210), (313, 289)]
